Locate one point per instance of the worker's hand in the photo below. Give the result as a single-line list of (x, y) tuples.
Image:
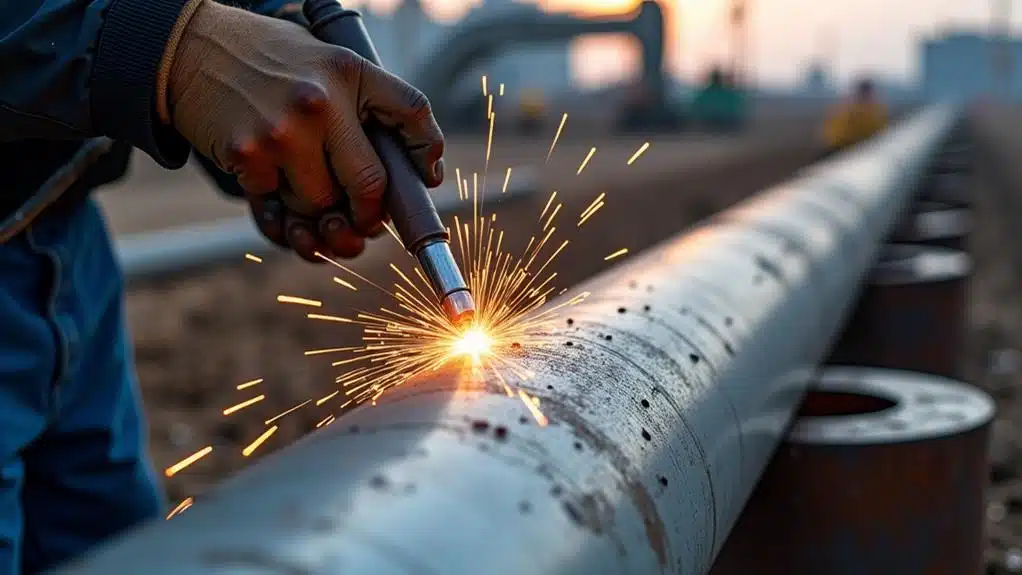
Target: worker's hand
[(263, 99)]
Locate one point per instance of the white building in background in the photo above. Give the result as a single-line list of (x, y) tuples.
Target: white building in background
[(410, 37), (963, 65)]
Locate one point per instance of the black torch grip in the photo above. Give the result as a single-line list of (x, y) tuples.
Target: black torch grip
[(406, 198)]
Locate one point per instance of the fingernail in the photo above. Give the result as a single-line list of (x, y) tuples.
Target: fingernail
[(438, 170), (334, 225)]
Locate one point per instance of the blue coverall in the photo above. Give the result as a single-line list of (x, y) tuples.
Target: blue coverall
[(73, 463)]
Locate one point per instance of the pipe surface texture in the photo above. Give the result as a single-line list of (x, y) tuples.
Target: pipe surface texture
[(666, 396)]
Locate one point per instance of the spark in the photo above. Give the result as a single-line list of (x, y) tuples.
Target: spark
[(348, 284), (299, 300), (250, 449), (585, 162), (253, 258), (474, 343), (642, 149), (592, 209), (618, 253), (249, 383), (532, 404), (489, 110), (557, 136), (392, 233), (322, 317), (484, 85), (185, 504), (247, 403), (507, 178), (288, 412), (329, 350), (180, 465), (325, 421)]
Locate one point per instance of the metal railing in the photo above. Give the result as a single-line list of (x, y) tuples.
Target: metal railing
[(666, 395)]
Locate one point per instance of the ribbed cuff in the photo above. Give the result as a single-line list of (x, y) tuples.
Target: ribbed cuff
[(124, 77)]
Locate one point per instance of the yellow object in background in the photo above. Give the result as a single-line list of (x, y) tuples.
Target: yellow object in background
[(531, 104), (854, 122)]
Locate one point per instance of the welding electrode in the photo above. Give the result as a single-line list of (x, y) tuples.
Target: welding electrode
[(406, 199)]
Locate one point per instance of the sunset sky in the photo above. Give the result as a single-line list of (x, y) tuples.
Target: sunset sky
[(857, 35)]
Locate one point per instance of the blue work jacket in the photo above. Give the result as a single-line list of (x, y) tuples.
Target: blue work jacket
[(78, 78)]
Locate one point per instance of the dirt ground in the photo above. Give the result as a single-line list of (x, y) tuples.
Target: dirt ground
[(995, 322)]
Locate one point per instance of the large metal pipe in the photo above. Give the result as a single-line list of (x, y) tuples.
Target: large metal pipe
[(665, 395)]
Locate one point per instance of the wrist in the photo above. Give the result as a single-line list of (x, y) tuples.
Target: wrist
[(188, 12)]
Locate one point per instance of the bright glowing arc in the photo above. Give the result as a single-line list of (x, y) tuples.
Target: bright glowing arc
[(474, 343)]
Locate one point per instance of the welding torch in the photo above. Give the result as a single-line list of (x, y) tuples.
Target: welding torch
[(406, 197)]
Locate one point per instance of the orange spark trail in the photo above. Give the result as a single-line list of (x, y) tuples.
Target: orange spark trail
[(253, 258), (259, 441), (177, 467), (299, 301), (249, 384), (181, 507), (618, 253), (248, 402), (638, 153), (557, 136), (589, 156)]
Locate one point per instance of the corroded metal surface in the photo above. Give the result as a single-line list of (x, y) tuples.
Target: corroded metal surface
[(665, 395), (911, 314), (884, 472)]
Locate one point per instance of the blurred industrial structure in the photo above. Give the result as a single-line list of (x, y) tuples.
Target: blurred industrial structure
[(404, 37), (963, 65)]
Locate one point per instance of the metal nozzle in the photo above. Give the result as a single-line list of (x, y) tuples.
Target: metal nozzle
[(442, 271)]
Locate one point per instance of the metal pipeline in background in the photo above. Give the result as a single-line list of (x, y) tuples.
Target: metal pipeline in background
[(950, 181), (938, 224), (665, 397), (884, 472), (911, 314), (152, 254)]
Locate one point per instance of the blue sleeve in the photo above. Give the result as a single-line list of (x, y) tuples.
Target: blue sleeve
[(82, 68)]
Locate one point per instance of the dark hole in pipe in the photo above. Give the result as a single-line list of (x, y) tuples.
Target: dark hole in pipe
[(834, 403)]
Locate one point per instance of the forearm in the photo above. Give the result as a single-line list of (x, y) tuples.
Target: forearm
[(81, 68)]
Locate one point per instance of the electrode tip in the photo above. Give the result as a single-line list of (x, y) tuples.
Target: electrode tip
[(459, 307)]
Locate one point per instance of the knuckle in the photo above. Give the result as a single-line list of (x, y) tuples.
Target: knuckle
[(418, 104), (310, 96), (370, 182)]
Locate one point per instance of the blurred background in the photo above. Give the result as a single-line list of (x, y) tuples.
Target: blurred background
[(730, 95)]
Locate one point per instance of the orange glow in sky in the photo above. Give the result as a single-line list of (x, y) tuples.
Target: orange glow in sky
[(784, 35)]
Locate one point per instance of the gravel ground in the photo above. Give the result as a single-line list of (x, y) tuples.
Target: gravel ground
[(197, 338), (995, 322)]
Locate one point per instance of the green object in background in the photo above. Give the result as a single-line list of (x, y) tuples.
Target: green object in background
[(719, 107)]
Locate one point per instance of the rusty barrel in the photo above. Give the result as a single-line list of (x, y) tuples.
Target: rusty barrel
[(933, 223), (883, 473), (911, 312)]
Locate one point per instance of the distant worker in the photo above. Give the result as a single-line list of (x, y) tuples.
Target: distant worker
[(856, 120), (719, 105)]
